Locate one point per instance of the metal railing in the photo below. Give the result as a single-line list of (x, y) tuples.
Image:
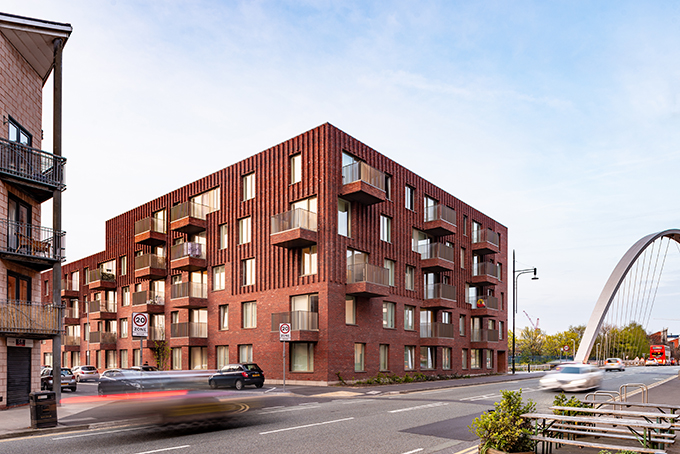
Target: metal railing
[(440, 212), (28, 317), (31, 240), (189, 209), (484, 335), (299, 320), (189, 329), (148, 297), (484, 302), (437, 330), (71, 312), (68, 284), (156, 333), (149, 261), (436, 251), (195, 250), (365, 272), (32, 164), (70, 340), (150, 224), (486, 269), (440, 291), (361, 171), (189, 290), (293, 219), (101, 275), (486, 236), (103, 337), (102, 306)]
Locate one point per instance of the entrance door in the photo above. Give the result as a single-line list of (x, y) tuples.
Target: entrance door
[(18, 375), (19, 214)]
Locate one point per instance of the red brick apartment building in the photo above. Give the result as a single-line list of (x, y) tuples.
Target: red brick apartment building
[(30, 51), (377, 270)]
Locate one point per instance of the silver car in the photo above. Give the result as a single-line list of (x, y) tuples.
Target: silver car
[(614, 364), (572, 377), (86, 373)]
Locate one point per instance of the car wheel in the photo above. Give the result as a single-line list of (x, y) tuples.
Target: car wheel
[(238, 384), (259, 385), (213, 384), (73, 389)]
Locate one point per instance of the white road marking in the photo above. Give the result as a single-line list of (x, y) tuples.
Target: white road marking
[(305, 426), (307, 407), (164, 449), (79, 419), (353, 401), (495, 396), (469, 450), (96, 433), (415, 450), (420, 407)]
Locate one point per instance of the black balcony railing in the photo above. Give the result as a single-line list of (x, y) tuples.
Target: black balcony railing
[(437, 330), (27, 317), (31, 240), (32, 164), (294, 219), (299, 320)]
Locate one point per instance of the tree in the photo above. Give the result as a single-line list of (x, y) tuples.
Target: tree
[(161, 353), (530, 342)]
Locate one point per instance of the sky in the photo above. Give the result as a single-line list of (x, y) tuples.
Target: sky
[(560, 119)]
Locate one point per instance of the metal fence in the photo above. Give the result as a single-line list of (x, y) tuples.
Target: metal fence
[(294, 219), (443, 291), (31, 240), (361, 171), (19, 317), (365, 272), (32, 164), (299, 320)]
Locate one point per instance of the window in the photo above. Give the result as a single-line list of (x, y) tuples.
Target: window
[(465, 225), (476, 358), (111, 360), (462, 257), (224, 236), (248, 186), (384, 357), (410, 198), (224, 317), (123, 265), (296, 168), (245, 230), (124, 359), (427, 357), (47, 288), (308, 204), (421, 241), (410, 277), (218, 278), (446, 358), (461, 325), (489, 359), (464, 358), (308, 263), (390, 266), (476, 232), (302, 356), (500, 330), (198, 358), (385, 228), (409, 357), (446, 318), (126, 296), (245, 353), (359, 352), (209, 199), (248, 271), (350, 310), (222, 354), (18, 134), (305, 303), (75, 281), (177, 358), (87, 275), (249, 314), (344, 218), (388, 187), (388, 314), (409, 318), (123, 328)]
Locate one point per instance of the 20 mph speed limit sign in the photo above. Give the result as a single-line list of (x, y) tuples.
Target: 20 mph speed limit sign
[(140, 324), (284, 332)]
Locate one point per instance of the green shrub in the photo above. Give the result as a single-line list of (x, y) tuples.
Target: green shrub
[(562, 401)]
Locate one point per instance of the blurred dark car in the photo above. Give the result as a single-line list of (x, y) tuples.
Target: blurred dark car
[(145, 368), (237, 376), (85, 373), (120, 381), (68, 380)]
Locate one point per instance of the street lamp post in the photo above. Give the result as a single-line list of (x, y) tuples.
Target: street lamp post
[(573, 349), (515, 275)]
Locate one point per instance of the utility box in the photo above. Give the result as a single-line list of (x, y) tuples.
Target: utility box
[(43, 409)]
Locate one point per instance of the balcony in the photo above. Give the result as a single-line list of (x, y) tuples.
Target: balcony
[(436, 257), (188, 217), (484, 306), (294, 229), (436, 330), (150, 266), (103, 337), (33, 246), (440, 220), (29, 319), (36, 172), (150, 231), (156, 333), (484, 335), (188, 257), (486, 242), (101, 280), (148, 301), (362, 183), (440, 296), (72, 316), (189, 295), (70, 343), (367, 280), (485, 273), (304, 325), (192, 333), (102, 310), (70, 289)]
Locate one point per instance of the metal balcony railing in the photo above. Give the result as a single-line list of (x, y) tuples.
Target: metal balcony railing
[(436, 251), (440, 212), (195, 250), (149, 261), (103, 337), (294, 219), (440, 291), (189, 290), (156, 333), (189, 209), (32, 164), (437, 330), (71, 312), (360, 171), (484, 335), (148, 297), (486, 236), (365, 272), (189, 329), (31, 240), (150, 224), (484, 302), (102, 306), (486, 269), (68, 284), (299, 320), (101, 275), (28, 317), (70, 340)]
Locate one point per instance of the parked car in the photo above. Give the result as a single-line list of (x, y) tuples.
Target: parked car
[(651, 362), (614, 364), (572, 377), (118, 381), (86, 373), (237, 375), (68, 380)]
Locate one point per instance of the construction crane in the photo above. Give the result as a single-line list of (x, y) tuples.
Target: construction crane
[(534, 325)]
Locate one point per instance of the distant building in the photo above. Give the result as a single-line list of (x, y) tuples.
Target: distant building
[(376, 269), (30, 49)]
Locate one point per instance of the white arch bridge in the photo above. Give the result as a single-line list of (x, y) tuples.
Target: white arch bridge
[(629, 294)]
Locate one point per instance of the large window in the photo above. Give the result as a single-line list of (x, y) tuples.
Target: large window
[(344, 218), (410, 198), (245, 230), (124, 359), (177, 358), (218, 278), (224, 317), (385, 228), (390, 266), (302, 356), (409, 318), (476, 358), (296, 168), (489, 359), (409, 357), (359, 357), (222, 354), (123, 265), (384, 357), (446, 358), (245, 353), (305, 303), (249, 314), (198, 357), (410, 277), (308, 263), (248, 186), (427, 355), (126, 296), (461, 325), (389, 310), (123, 328), (248, 270), (350, 310)]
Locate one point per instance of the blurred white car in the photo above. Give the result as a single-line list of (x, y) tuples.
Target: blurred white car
[(614, 364), (651, 362), (85, 373), (572, 377)]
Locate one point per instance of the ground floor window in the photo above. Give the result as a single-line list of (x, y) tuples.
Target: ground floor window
[(359, 361), (446, 358), (384, 357), (427, 357), (409, 357), (177, 358), (464, 358), (476, 359), (47, 359), (111, 360), (489, 359), (75, 359), (198, 357), (124, 359), (302, 357), (222, 356), (136, 357), (245, 353)]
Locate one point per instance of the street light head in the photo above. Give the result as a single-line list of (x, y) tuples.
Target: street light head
[(535, 278)]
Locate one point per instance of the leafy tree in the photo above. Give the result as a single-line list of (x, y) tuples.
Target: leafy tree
[(530, 342), (161, 353)]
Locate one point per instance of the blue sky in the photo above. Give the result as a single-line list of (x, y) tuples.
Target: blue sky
[(558, 119)]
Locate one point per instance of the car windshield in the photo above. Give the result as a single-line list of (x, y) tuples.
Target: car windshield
[(66, 372), (88, 368), (612, 360), (251, 367), (572, 370)]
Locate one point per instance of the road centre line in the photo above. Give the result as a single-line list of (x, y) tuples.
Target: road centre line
[(420, 407), (415, 450), (306, 407), (96, 433), (494, 396), (164, 449), (305, 426), (468, 450)]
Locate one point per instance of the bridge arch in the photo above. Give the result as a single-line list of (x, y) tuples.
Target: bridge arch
[(612, 286)]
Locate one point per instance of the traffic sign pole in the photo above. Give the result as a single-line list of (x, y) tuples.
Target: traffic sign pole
[(284, 336)]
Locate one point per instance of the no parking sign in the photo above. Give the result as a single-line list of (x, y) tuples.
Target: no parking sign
[(140, 324)]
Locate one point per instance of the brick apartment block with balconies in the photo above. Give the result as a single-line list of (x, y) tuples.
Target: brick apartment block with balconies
[(376, 269)]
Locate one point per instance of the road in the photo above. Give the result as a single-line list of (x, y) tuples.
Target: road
[(421, 422)]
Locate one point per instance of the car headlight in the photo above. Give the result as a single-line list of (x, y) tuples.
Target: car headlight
[(580, 381)]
